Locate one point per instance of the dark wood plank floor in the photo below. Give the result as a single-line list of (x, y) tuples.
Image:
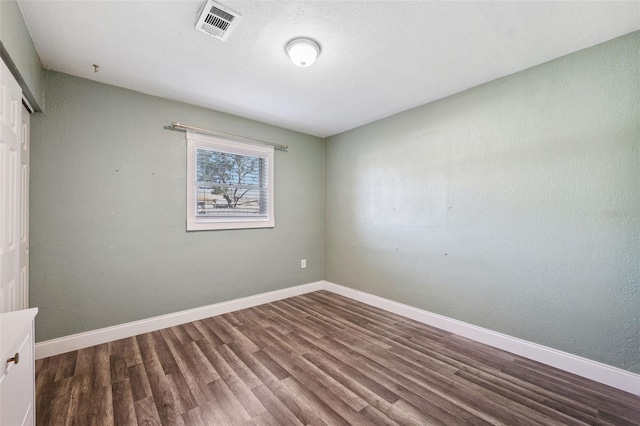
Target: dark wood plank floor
[(316, 359)]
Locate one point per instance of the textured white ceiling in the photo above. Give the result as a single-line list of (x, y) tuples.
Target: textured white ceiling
[(378, 57)]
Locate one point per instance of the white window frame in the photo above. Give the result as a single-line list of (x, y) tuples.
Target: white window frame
[(199, 223)]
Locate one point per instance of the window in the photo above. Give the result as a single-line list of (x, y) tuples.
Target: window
[(229, 184)]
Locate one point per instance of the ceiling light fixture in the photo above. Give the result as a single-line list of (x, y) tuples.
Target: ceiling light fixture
[(303, 51)]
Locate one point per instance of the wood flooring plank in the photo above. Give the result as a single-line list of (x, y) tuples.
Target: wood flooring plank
[(354, 312), (316, 359), (258, 336), (101, 406), (294, 403), (607, 392), (239, 387), (139, 381), (423, 417), (239, 338), (38, 365), (131, 352), (167, 404), (277, 337), (441, 384), (56, 409), (368, 389), (116, 347), (411, 353), (624, 411), (557, 416), (221, 328), (207, 333), (467, 363), (147, 412), (208, 414), (277, 370), (232, 408), (299, 324), (80, 401), (436, 352), (124, 412), (267, 321), (583, 398), (84, 361), (242, 318), (305, 405), (218, 363), (192, 331), (302, 306), (288, 307), (66, 365), (46, 394), (376, 417), (239, 368), (606, 395), (342, 401), (385, 316), (294, 342), (403, 333), (234, 318), (247, 399), (194, 417), (346, 316), (101, 366), (277, 408), (251, 360), (118, 368), (180, 334), (413, 329), (264, 419), (307, 373), (182, 391), (188, 377), (199, 364), (403, 386), (480, 353), (352, 324), (164, 355), (618, 420)]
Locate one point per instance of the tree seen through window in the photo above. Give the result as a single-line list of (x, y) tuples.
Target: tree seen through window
[(229, 184)]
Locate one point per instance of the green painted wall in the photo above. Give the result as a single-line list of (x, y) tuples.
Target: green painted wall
[(513, 206), (19, 53), (108, 240)]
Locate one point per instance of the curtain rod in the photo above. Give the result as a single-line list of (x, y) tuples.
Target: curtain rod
[(278, 146)]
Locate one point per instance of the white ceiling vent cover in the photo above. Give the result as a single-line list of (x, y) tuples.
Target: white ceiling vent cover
[(217, 21)]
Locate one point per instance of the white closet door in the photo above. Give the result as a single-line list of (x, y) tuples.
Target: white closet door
[(24, 208), (17, 374), (10, 185)]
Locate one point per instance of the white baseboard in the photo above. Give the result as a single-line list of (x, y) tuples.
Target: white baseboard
[(602, 373), (121, 331)]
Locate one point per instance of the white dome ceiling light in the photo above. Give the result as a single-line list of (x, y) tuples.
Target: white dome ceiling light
[(303, 51)]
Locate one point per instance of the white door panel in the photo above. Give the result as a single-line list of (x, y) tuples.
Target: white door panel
[(10, 186), (24, 209)]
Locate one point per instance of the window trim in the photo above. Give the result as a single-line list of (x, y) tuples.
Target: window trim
[(198, 223)]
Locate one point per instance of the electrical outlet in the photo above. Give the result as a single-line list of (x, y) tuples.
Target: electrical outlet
[(303, 263)]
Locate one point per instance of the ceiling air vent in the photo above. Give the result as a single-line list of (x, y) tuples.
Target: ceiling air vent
[(217, 20)]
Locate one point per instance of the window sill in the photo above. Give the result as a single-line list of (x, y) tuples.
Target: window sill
[(217, 225)]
